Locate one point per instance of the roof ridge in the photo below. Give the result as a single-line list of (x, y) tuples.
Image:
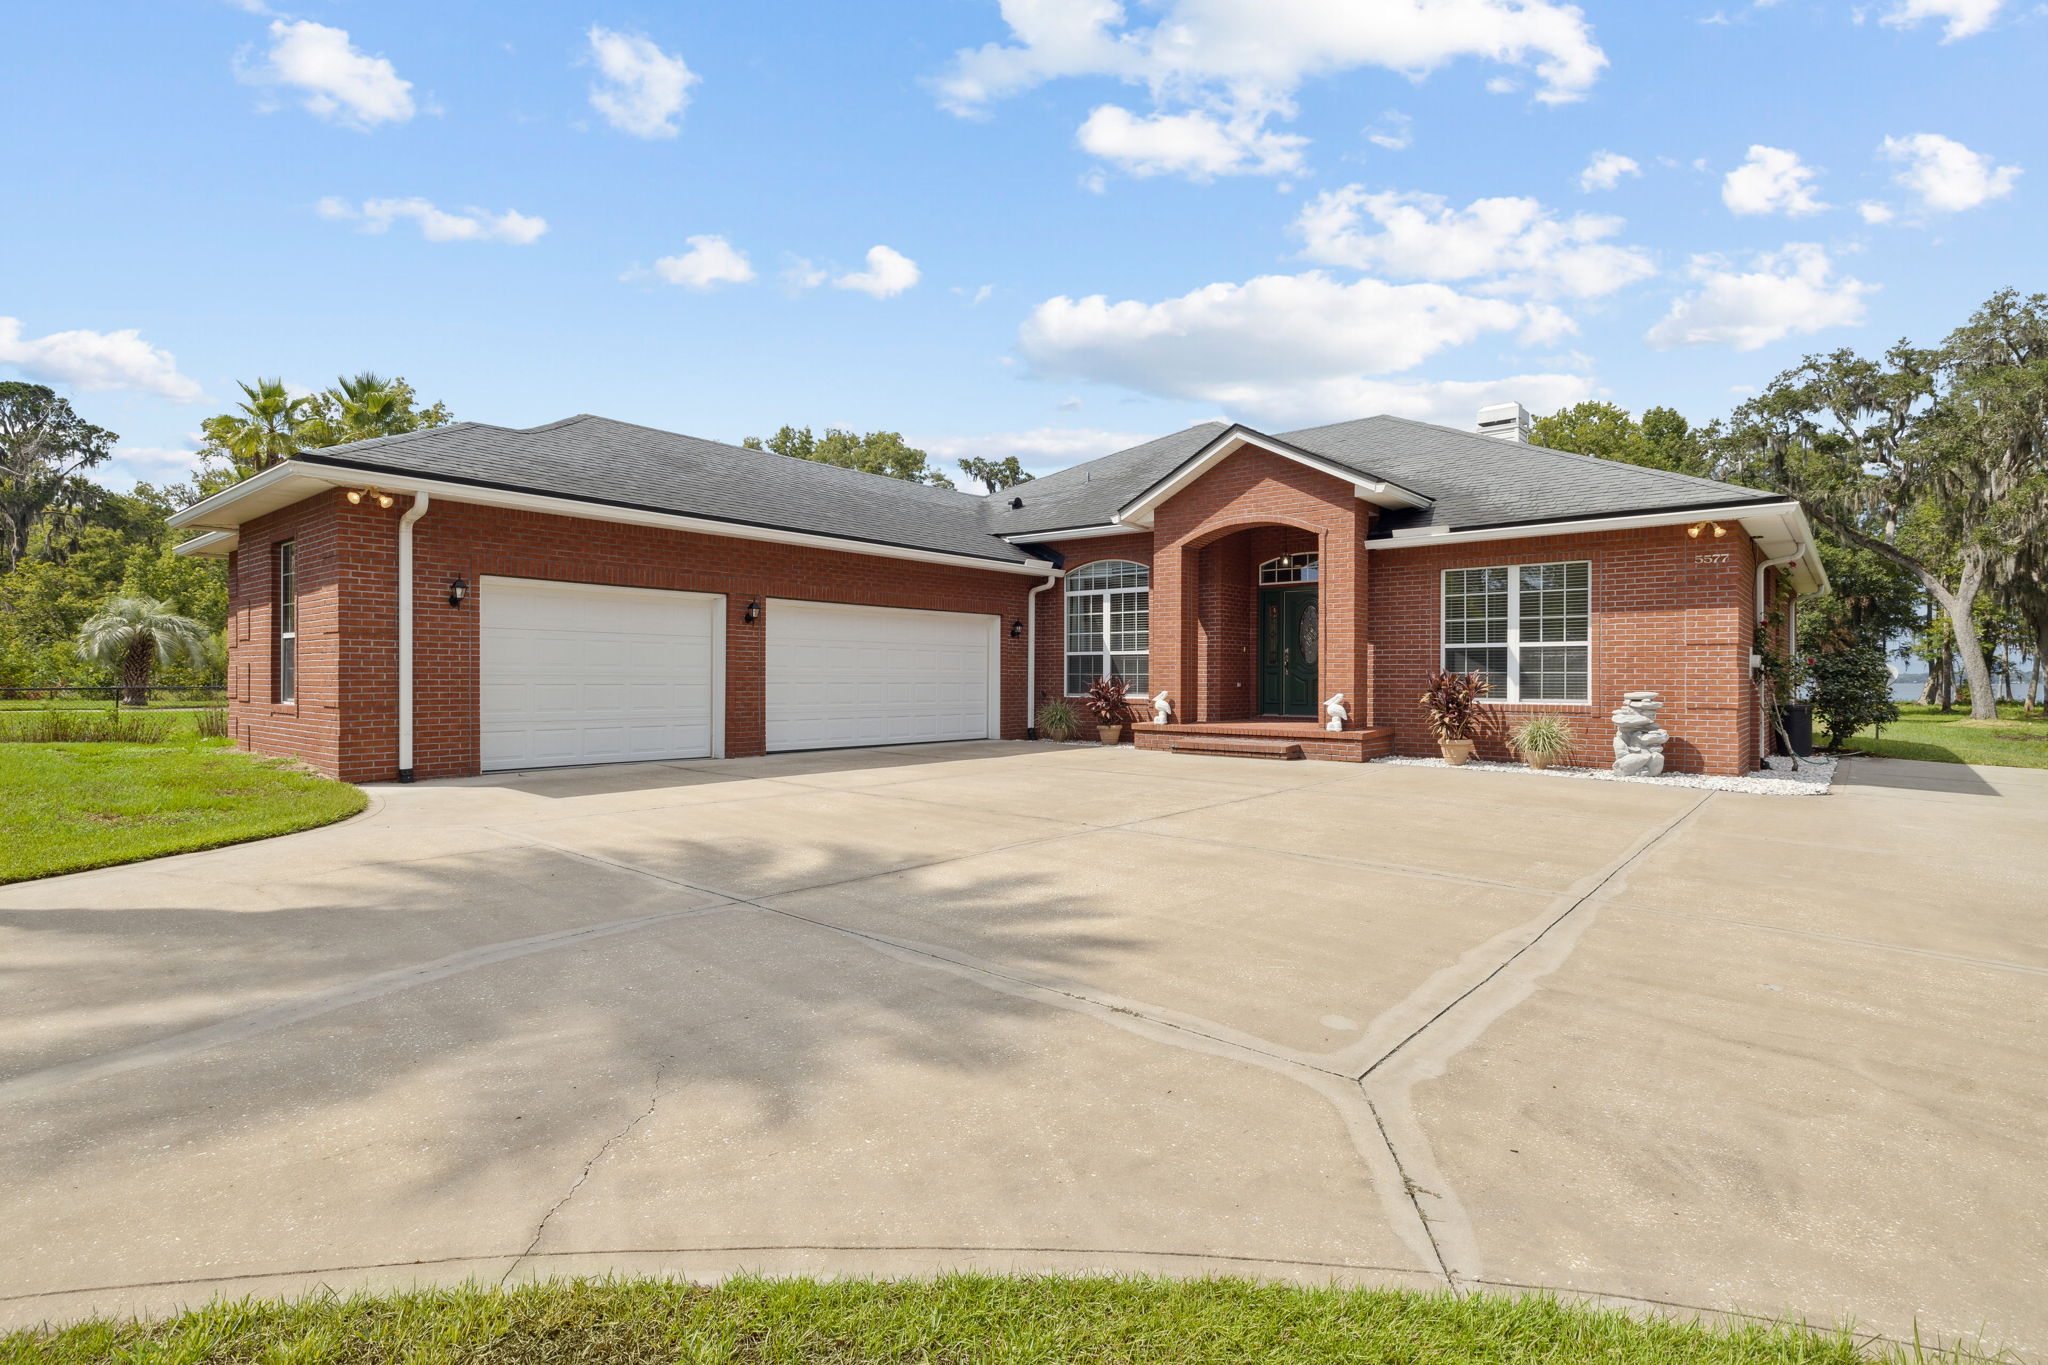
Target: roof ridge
[(762, 450), (1561, 454), (396, 437)]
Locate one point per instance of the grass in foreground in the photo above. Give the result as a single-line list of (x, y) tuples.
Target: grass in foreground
[(960, 1318), (1926, 732), (68, 807)]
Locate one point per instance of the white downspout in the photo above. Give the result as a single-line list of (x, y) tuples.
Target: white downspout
[(420, 503), (1031, 657)]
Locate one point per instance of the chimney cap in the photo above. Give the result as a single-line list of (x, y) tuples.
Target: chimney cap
[(1508, 421)]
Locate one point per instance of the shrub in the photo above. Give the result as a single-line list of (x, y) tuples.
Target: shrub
[(1058, 720), (212, 723), (1852, 690), (1106, 701), (1451, 702), (83, 727), (1544, 736)]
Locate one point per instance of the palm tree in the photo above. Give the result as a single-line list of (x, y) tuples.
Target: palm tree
[(134, 634), (262, 430), (371, 405)]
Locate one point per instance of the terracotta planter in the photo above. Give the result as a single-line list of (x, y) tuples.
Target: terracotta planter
[(1537, 761), (1456, 752), (1109, 734)]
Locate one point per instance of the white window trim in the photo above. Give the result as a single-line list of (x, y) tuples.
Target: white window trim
[(287, 555), (1514, 640), (1067, 596)]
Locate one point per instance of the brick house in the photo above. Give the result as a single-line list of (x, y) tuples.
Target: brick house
[(592, 591)]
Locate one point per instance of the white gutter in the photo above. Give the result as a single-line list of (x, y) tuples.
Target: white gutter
[(420, 503), (1401, 540), (1072, 533), (1031, 656)]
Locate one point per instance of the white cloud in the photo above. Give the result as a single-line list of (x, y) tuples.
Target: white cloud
[(803, 273), (642, 89), (156, 464), (889, 273), (438, 225), (1875, 213), (1396, 132), (1964, 17), (95, 361), (1039, 450), (1196, 144), (1794, 290), (1237, 63), (1771, 180), (710, 261), (1945, 175), (1282, 347), (1605, 171), (338, 82), (1510, 245)]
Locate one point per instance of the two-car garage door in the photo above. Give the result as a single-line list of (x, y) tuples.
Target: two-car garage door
[(580, 673)]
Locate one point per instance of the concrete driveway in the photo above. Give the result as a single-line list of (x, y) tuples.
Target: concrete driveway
[(1032, 1007)]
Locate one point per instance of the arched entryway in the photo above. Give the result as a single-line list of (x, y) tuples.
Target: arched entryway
[(1258, 623)]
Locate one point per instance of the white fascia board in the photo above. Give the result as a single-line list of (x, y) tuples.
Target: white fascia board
[(1071, 533), (243, 500), (1139, 511), (212, 545), (1780, 529)]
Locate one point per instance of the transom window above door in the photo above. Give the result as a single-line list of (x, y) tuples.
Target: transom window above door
[(1109, 625), (1302, 568)]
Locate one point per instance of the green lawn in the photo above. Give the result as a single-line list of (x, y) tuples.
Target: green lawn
[(67, 807), (1925, 732), (957, 1319)]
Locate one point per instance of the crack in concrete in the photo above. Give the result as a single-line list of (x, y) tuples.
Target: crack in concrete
[(540, 1229)]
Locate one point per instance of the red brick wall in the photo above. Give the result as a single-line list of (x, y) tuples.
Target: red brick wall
[(1052, 612), (1662, 622), (346, 719)]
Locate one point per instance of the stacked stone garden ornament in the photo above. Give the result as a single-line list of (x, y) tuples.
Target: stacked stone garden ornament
[(1638, 739)]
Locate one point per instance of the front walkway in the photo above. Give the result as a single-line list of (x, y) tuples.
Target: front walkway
[(1056, 1007)]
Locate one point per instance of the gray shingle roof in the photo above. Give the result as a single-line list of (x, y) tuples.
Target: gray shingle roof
[(1475, 481), (596, 459), (1478, 481)]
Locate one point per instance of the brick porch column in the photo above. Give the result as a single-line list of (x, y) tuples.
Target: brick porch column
[(1344, 606), (1176, 638)]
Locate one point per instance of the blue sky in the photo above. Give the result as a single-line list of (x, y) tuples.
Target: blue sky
[(1046, 228)]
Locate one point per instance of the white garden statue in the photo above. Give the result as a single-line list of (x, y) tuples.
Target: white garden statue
[(1638, 739), (1335, 710), (1162, 708)]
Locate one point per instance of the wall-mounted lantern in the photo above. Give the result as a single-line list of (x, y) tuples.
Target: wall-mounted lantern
[(753, 613), (457, 591), (1016, 629)]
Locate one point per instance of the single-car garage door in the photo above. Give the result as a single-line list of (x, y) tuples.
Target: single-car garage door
[(577, 673), (840, 675)]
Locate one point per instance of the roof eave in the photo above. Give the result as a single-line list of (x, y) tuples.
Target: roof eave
[(293, 480)]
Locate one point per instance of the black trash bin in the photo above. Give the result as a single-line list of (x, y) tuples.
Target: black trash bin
[(1797, 718)]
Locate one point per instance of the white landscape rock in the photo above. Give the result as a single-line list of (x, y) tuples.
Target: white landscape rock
[(1812, 778)]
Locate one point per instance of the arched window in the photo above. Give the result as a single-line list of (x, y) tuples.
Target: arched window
[(1109, 625), (1303, 568)]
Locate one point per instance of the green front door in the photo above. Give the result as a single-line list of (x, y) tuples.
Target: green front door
[(1288, 648)]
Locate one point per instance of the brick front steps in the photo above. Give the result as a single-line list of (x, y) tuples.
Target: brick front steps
[(1265, 739)]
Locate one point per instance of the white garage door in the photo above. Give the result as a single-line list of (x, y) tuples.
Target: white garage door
[(840, 676), (576, 673)]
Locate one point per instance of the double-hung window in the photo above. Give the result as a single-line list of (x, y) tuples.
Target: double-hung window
[(1526, 627), (1109, 625), (287, 623)]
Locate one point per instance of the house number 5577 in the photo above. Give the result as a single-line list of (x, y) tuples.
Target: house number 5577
[(1713, 557)]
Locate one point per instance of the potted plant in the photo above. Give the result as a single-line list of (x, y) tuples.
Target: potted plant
[(1058, 721), (1106, 703), (1451, 702), (1541, 740)]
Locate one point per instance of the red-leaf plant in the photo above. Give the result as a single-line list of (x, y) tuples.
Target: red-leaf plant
[(1105, 700), (1452, 703)]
